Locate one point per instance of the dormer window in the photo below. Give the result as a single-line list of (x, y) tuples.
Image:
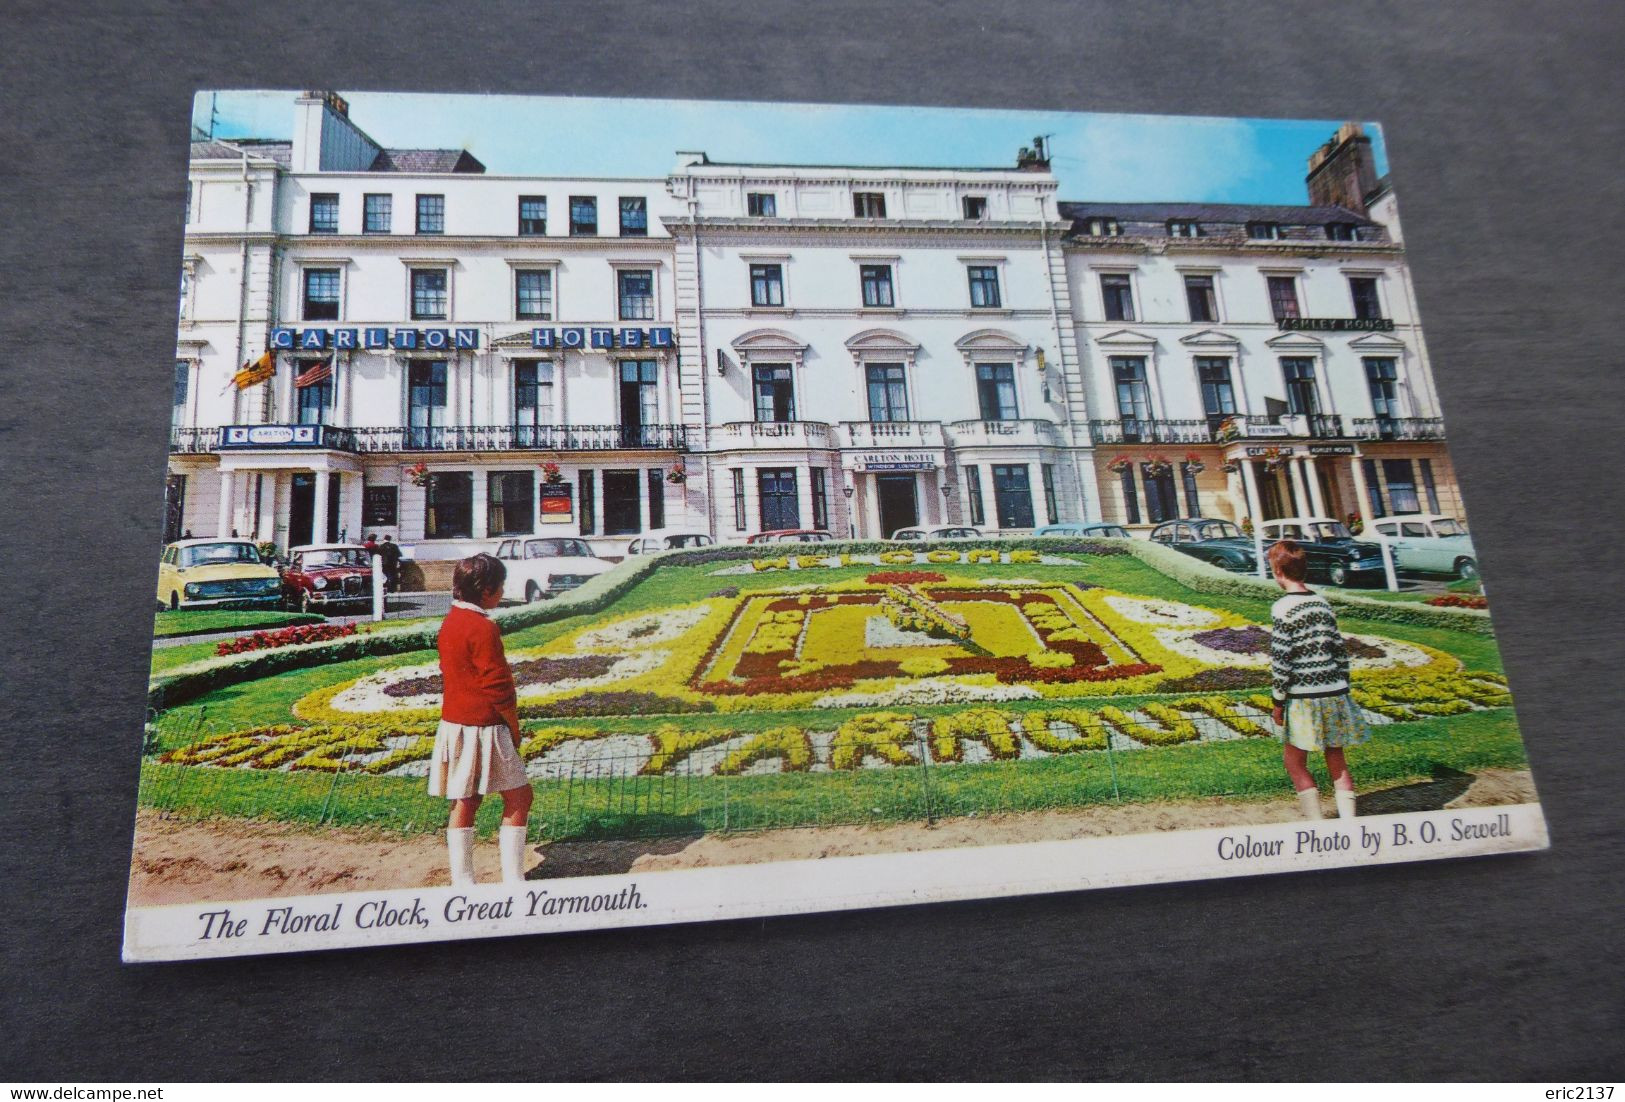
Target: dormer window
[(1103, 227), (1183, 227), (1264, 231), (1342, 231)]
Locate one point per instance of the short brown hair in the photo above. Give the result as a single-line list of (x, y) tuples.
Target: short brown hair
[(476, 576), (1289, 560)]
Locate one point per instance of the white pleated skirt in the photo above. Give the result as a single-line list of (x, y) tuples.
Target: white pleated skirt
[(474, 761)]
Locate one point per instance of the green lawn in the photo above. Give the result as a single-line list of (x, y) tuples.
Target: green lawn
[(198, 621)]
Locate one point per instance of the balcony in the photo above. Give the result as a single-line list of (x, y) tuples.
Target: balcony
[(772, 434), (1399, 428), (467, 438), (889, 434), (194, 441), (1030, 433), (1141, 431), (1293, 426)]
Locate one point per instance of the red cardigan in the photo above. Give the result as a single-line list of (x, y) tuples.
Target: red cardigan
[(479, 688)]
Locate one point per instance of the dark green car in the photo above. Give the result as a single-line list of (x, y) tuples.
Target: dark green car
[(1335, 556), (1213, 541)]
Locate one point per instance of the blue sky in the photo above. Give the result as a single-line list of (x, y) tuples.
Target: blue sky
[(1115, 158)]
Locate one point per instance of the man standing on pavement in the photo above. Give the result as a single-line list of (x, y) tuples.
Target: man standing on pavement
[(391, 552)]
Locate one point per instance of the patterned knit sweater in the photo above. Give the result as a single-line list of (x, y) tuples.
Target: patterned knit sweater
[(1307, 654)]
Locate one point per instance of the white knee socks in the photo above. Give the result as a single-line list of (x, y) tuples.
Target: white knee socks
[(1309, 798), (460, 851), (511, 841), (1345, 802)]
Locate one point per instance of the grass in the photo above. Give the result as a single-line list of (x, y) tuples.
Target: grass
[(198, 621)]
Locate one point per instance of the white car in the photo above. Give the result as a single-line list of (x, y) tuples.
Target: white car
[(951, 532), (545, 566), (667, 539), (1428, 542)]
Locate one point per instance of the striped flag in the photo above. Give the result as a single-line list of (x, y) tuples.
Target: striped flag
[(318, 372)]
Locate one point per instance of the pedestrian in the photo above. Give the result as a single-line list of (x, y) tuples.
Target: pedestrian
[(391, 553), (476, 748), (371, 543), (1309, 666)]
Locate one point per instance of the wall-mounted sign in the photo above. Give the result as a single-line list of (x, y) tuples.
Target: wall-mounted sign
[(1331, 449), (1338, 325), (1267, 430), (894, 461), (271, 436), (601, 336), (374, 337), (379, 507), (557, 503), (1277, 450)]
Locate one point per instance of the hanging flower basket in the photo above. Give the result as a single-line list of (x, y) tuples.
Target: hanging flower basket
[(1275, 458), (1119, 464), (1194, 464), (677, 474), (1157, 465), (551, 472), (1230, 466), (418, 473), (1229, 429)]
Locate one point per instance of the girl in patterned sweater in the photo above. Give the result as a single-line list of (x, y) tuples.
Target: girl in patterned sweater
[(1309, 667)]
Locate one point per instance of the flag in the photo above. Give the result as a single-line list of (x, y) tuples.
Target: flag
[(318, 372), (256, 372)]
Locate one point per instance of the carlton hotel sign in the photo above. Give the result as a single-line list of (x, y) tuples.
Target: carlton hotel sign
[(382, 337)]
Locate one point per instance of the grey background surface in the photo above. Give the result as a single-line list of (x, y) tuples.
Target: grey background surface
[(1504, 130)]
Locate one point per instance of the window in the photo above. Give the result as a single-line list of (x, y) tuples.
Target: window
[(1193, 501), (321, 294), (1131, 499), (973, 493), (1363, 290), (868, 204), (761, 204), (532, 216), (1051, 506), (508, 509), (1373, 488), (313, 383), (426, 403), (587, 490), (640, 403), (1117, 293), (183, 380), (448, 507), (657, 497), (888, 392), (767, 285), (1342, 231), (876, 280), (775, 394), (1103, 227), (1401, 482), (583, 216), (1133, 396), (1199, 296), (781, 509), (975, 207), (1301, 397), (739, 498), (1382, 376), (324, 214), (533, 294), (1160, 502), (637, 294), (1283, 297), (429, 294), (996, 391), (1429, 485), (817, 479), (1184, 227), (377, 213), (1218, 395), (532, 401), (984, 285), (1264, 231), (634, 218), (431, 214), (1012, 497)]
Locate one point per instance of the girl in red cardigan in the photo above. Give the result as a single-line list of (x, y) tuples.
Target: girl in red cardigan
[(476, 749)]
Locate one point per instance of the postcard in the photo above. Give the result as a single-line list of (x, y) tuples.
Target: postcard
[(586, 513)]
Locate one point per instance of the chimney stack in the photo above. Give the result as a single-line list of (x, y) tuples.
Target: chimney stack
[(1343, 171)]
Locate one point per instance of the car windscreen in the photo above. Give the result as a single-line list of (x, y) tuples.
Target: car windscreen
[(203, 554), (1448, 527), (695, 540), (548, 549), (907, 535), (1331, 530), (340, 556), (1217, 530)]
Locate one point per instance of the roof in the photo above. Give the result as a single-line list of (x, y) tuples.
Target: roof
[(1214, 213), (212, 150), (877, 167), (426, 160)]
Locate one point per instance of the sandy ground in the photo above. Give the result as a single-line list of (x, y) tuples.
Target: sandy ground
[(184, 861)]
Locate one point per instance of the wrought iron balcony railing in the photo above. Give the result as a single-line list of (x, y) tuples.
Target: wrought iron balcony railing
[(1130, 430), (459, 438), (1399, 428), (1319, 426), (193, 441)]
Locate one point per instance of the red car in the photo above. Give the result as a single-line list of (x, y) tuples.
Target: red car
[(324, 575), (792, 535)]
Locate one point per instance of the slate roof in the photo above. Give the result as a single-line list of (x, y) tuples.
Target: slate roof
[(426, 160), (1213, 213), (280, 152)]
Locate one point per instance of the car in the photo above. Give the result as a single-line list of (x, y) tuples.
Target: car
[(209, 573), (1335, 556), (793, 535), (949, 532), (1430, 543), (325, 575), (1092, 531), (1215, 541), (545, 566), (667, 539)]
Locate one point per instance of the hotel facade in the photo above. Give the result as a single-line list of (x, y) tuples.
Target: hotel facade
[(455, 357)]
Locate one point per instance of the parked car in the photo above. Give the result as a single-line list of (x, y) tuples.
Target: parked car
[(1335, 556), (203, 573), (667, 539), (950, 532), (1092, 531), (793, 535), (325, 575), (545, 566), (1428, 542), (1214, 541)]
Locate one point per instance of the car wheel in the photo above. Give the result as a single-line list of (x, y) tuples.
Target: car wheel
[(174, 601), (1466, 569), (1338, 574), (533, 593)]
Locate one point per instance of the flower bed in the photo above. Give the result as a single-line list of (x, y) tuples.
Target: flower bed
[(284, 637), (1457, 600)]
